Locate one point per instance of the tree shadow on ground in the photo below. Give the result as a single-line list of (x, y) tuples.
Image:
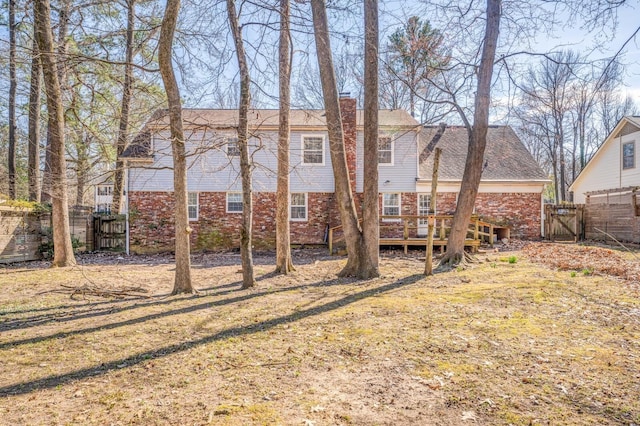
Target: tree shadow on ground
[(208, 302), (61, 379)]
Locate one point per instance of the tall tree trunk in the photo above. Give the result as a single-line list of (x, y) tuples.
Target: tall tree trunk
[(34, 124), (369, 265), (246, 253), (344, 196), (11, 161), (182, 282), (123, 128), (284, 263), (477, 139), (63, 251), (61, 70)]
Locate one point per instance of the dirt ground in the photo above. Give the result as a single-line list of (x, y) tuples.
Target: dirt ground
[(546, 335)]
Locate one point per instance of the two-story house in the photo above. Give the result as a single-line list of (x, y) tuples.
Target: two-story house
[(512, 191)]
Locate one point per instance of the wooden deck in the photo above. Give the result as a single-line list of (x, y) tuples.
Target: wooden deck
[(408, 231), (422, 242)]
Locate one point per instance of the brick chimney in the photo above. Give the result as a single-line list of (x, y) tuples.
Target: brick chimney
[(348, 114)]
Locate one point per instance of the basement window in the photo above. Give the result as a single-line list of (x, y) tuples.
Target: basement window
[(193, 205), (298, 207), (390, 206), (234, 202)]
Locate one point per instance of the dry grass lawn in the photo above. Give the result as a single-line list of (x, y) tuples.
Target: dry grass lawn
[(505, 341)]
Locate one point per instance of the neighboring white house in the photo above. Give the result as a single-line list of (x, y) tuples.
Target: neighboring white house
[(614, 165), (103, 194)]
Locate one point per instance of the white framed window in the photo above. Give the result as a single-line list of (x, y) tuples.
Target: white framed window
[(232, 148), (234, 202), (391, 206), (313, 149), (385, 150), (628, 155), (193, 206), (298, 206)]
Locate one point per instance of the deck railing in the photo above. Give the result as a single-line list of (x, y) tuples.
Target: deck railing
[(409, 230)]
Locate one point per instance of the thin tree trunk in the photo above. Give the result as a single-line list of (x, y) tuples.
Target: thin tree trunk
[(63, 250), (123, 128), (182, 282), (11, 161), (284, 263), (246, 253), (344, 196), (477, 139), (428, 263), (369, 264), (34, 124)]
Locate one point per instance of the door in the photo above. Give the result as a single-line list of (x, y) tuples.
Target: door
[(424, 204)]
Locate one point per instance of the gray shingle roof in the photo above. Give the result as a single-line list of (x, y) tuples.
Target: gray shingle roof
[(258, 118), (226, 118), (506, 157)]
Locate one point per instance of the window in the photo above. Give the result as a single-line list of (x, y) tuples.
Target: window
[(313, 150), (298, 206), (234, 202), (628, 155), (390, 205), (192, 205), (105, 190), (232, 147), (385, 150)]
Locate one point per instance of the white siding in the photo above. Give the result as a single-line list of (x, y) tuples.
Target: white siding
[(399, 177), (605, 171), (210, 169)]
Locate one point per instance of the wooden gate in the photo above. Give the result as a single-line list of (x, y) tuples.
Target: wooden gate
[(109, 232), (564, 222)]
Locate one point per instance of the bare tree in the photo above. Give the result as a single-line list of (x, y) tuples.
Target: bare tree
[(358, 263), (63, 250), (11, 161), (370, 214), (243, 144), (34, 123), (123, 128), (284, 263), (477, 138), (182, 282)]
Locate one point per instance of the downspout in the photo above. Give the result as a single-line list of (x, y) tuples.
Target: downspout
[(126, 206), (542, 217)]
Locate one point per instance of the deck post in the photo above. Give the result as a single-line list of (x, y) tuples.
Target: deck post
[(330, 241), (405, 234), (475, 232), (491, 234)]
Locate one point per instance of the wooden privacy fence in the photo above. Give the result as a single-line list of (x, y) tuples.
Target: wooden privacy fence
[(409, 230), (20, 234), (615, 212), (24, 233), (564, 222), (108, 232)]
